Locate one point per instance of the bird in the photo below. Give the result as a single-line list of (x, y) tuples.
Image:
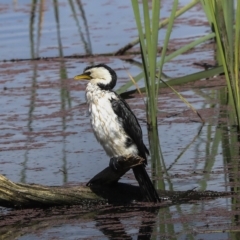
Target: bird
[(114, 124)]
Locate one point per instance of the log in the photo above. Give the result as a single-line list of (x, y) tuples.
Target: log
[(103, 189)]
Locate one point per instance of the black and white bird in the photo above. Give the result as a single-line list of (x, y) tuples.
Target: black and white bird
[(114, 124)]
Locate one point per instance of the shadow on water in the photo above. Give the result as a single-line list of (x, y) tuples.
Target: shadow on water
[(136, 221), (113, 222)]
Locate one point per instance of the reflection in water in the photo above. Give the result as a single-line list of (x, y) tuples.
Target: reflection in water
[(34, 6), (117, 223), (30, 119), (231, 154), (86, 43), (134, 221), (212, 145), (31, 29), (34, 54), (64, 93), (56, 13), (122, 222), (37, 9)]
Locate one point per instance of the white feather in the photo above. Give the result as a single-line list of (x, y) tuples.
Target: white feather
[(100, 75), (105, 124)]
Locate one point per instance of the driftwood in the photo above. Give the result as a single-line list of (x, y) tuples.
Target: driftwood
[(103, 189)]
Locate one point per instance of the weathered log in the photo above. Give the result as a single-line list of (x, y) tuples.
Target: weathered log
[(103, 189), (18, 195)]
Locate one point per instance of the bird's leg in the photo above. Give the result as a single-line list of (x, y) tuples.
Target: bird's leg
[(114, 163)]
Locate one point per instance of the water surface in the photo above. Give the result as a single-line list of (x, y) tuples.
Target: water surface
[(46, 137)]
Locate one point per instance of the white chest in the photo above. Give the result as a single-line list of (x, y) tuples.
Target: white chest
[(105, 123)]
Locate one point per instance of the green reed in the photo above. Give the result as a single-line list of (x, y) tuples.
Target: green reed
[(147, 21), (225, 22)]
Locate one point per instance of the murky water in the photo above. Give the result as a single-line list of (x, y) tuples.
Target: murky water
[(45, 131)]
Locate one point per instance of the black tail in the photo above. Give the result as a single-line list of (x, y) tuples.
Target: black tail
[(145, 184)]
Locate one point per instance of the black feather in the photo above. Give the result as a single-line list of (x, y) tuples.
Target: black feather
[(113, 74), (133, 130), (130, 124), (146, 186)]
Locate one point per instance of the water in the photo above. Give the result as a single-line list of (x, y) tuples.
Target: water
[(45, 131)]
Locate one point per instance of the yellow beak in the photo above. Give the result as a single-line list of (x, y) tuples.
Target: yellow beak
[(83, 76)]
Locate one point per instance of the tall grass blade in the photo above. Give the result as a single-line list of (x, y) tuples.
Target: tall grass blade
[(148, 38), (222, 15), (178, 81), (166, 40), (172, 56), (161, 24)]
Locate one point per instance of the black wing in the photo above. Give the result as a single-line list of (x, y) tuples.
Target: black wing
[(130, 124)]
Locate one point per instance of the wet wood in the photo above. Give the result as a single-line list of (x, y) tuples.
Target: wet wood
[(102, 190)]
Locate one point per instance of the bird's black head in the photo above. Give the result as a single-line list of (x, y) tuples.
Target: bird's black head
[(101, 75)]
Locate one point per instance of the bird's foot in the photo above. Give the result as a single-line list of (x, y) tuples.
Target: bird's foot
[(114, 163)]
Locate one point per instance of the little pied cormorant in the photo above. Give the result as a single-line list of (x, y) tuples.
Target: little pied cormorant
[(114, 124)]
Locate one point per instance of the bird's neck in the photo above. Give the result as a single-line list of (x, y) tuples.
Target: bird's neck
[(95, 92), (93, 86)]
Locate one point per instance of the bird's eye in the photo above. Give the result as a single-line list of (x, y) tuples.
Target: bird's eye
[(88, 73)]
